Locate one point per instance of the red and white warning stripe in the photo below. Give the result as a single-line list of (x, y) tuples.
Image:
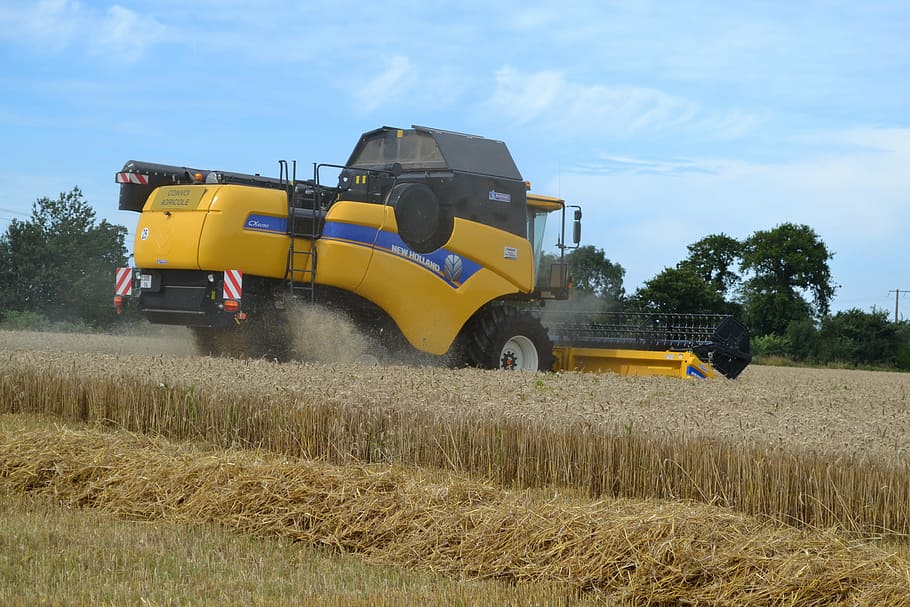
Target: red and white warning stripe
[(233, 284), (136, 178), (123, 285)]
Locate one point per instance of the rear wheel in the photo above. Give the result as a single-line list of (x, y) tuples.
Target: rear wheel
[(264, 334), (507, 338), (220, 341)]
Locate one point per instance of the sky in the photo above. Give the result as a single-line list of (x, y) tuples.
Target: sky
[(667, 121)]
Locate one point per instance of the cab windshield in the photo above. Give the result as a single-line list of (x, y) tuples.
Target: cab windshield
[(411, 149)]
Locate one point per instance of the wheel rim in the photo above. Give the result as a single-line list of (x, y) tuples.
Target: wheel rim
[(518, 354)]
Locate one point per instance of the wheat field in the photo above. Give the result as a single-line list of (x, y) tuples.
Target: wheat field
[(844, 413), (810, 449)]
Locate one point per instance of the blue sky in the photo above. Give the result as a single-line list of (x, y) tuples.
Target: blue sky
[(667, 121)]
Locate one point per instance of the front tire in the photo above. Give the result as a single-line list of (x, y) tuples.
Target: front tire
[(506, 338)]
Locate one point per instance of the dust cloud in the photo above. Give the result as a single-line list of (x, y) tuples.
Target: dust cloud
[(311, 333), (318, 334)]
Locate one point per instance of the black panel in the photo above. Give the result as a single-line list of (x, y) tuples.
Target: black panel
[(175, 298), (472, 154), (133, 196), (473, 178)]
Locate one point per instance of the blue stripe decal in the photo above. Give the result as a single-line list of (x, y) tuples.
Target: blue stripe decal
[(361, 235), (690, 370), (266, 223), (453, 269)]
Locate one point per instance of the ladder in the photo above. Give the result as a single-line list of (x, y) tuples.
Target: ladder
[(304, 226)]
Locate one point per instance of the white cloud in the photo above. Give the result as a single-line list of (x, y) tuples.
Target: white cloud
[(124, 35), (49, 24), (526, 97), (51, 27), (393, 83), (617, 164), (532, 18), (553, 102), (728, 125)]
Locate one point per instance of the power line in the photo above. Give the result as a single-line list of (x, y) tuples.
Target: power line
[(897, 298)]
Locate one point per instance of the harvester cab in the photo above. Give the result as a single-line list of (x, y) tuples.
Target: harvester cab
[(428, 236), (431, 177)]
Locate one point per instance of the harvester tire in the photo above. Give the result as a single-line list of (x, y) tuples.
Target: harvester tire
[(423, 224), (264, 334), (507, 338), (219, 341)]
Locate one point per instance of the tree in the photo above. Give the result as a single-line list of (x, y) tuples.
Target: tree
[(768, 310), (786, 262), (860, 338), (61, 262), (713, 258), (802, 339), (902, 358), (593, 273), (681, 290)]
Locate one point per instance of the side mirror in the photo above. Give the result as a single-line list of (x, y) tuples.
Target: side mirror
[(395, 169), (576, 228)]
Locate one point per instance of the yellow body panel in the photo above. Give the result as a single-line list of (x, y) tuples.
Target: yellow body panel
[(429, 311), (167, 236), (505, 254), (206, 227), (231, 240), (361, 213), (343, 261), (545, 203), (429, 296), (632, 362)]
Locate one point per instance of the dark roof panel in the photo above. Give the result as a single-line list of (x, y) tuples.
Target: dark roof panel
[(473, 154)]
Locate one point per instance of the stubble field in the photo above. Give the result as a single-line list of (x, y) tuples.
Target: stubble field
[(799, 449)]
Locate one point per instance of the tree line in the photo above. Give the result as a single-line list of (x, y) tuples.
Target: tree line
[(777, 281), (58, 265)]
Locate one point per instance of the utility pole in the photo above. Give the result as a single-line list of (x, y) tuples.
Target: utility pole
[(897, 297)]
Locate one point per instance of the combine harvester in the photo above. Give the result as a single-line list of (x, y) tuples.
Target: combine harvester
[(429, 240)]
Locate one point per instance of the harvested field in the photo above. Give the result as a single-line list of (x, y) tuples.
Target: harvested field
[(59, 555), (641, 551), (811, 448)]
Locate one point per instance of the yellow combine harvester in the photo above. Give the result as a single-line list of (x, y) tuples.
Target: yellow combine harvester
[(430, 240)]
